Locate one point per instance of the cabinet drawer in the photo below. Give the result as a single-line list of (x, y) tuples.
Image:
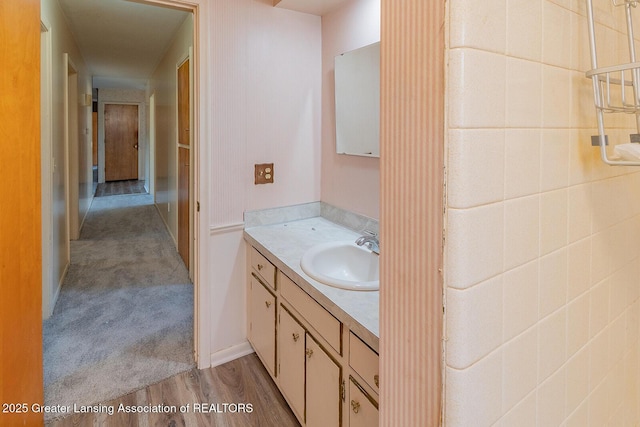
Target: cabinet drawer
[(264, 268), (363, 409), (327, 326), (363, 360)]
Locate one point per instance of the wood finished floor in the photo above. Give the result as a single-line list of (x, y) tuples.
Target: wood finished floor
[(244, 380)]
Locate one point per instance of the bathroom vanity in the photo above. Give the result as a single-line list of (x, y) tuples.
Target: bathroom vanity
[(319, 343)]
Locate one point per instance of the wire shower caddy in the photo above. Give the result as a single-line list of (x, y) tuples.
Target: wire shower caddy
[(616, 89)]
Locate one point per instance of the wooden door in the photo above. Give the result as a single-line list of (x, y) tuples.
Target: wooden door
[(20, 215), (184, 118), (120, 142), (183, 104)]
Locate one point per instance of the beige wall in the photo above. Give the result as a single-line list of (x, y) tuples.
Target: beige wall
[(125, 96), (349, 182), (62, 42), (163, 84), (542, 272), (263, 69)]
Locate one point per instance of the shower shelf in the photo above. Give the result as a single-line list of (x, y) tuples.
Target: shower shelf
[(616, 89)]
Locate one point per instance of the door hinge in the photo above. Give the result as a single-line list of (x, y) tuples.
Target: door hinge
[(342, 391), (197, 206)]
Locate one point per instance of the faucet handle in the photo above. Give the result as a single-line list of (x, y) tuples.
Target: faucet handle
[(370, 241)]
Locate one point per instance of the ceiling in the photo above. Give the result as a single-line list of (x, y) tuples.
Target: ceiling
[(120, 41), (315, 7)]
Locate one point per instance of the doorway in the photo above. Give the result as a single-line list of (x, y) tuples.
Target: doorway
[(71, 150), (151, 171), (49, 288), (184, 160), (122, 135), (121, 142)]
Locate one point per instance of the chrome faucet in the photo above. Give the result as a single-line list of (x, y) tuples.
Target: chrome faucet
[(370, 241)]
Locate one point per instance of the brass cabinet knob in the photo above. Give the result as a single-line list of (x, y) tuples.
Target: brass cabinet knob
[(267, 303), (309, 352), (376, 379), (355, 406), (260, 267), (296, 337)]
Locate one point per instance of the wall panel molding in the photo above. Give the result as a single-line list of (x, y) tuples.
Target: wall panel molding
[(411, 222)]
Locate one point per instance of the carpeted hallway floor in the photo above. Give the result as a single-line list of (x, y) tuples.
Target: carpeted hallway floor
[(112, 188), (124, 317)]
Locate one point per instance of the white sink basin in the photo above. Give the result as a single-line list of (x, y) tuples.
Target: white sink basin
[(343, 265)]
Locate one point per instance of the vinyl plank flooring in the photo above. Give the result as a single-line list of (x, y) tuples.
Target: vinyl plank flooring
[(223, 389)]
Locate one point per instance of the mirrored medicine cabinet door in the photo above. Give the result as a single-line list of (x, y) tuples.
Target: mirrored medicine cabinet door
[(357, 94)]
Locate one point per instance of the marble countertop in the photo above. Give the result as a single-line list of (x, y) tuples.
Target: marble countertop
[(285, 243)]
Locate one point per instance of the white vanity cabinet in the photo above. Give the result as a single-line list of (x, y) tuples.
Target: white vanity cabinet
[(316, 362)]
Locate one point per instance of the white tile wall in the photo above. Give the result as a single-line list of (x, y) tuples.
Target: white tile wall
[(553, 220), (542, 268), (520, 368), (553, 282), (524, 93), (479, 156), (475, 246), (524, 29), (522, 162), (479, 24), (519, 294), (478, 77), (476, 317), (521, 230)]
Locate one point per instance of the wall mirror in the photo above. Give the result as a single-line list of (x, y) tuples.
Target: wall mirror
[(357, 78)]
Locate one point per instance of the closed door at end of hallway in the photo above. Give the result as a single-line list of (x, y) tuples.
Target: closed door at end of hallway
[(121, 142)]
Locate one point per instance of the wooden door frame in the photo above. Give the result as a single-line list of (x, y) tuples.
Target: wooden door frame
[(150, 170), (70, 93), (200, 155), (187, 57), (46, 166)]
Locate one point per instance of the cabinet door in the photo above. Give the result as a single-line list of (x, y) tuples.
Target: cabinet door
[(363, 412), (262, 324), (322, 388), (291, 346)]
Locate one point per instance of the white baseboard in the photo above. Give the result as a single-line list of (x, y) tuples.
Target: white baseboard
[(56, 293), (231, 353)]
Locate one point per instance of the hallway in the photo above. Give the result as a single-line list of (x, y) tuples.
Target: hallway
[(124, 317)]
